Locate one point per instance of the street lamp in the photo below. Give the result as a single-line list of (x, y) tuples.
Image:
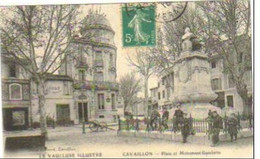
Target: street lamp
[(82, 97)]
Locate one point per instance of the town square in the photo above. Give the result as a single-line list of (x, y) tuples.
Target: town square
[(159, 79)]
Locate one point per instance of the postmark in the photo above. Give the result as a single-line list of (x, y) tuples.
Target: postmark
[(170, 11), (139, 25)]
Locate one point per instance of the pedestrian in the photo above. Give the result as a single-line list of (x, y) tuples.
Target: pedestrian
[(179, 116), (217, 124), (154, 120), (233, 127), (165, 118), (185, 128)]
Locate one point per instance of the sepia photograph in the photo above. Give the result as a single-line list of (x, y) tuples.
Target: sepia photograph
[(128, 80)]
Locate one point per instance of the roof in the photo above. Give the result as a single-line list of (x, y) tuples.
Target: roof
[(95, 21)]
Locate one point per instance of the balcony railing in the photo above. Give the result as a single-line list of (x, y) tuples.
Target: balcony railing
[(99, 63), (82, 64), (96, 85)]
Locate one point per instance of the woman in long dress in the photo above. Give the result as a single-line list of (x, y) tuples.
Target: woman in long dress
[(136, 23)]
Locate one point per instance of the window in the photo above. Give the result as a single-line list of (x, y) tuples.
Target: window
[(81, 75), (163, 94), (230, 101), (231, 83), (12, 70), (216, 84), (168, 92), (213, 64), (111, 60), (163, 81), (101, 101), (159, 95), (99, 76), (99, 58), (15, 92)]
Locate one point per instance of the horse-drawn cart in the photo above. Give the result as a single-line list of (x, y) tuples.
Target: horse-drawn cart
[(95, 126)]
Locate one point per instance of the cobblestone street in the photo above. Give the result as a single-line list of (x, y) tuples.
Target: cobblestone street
[(70, 140)]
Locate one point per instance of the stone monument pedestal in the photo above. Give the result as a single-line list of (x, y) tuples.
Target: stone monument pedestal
[(192, 84)]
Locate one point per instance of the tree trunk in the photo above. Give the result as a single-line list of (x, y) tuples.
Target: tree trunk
[(243, 94), (146, 96), (125, 105), (41, 97)]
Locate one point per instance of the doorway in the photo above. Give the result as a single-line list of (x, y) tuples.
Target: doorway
[(81, 113), (15, 118), (63, 114)]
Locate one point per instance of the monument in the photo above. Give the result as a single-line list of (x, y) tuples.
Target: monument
[(192, 84)]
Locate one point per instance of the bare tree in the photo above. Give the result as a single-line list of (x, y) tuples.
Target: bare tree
[(223, 27), (40, 37), (129, 87), (144, 65), (231, 20), (169, 41)]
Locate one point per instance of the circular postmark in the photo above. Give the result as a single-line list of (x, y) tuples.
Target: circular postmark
[(165, 11)]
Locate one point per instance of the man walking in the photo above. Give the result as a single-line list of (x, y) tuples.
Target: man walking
[(178, 116), (217, 124), (165, 118), (185, 128), (232, 126)]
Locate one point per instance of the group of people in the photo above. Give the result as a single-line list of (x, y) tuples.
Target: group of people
[(182, 123), (230, 124)]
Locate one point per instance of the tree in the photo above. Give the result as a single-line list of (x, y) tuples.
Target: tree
[(129, 87), (40, 37), (231, 20), (144, 65), (223, 28)]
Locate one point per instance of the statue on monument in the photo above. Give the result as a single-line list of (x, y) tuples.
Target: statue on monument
[(189, 41)]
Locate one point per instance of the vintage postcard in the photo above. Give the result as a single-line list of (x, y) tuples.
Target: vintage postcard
[(127, 80)]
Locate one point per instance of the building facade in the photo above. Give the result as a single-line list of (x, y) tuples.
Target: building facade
[(85, 87), (16, 99), (92, 66), (221, 83)]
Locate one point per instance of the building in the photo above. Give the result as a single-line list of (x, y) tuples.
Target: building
[(19, 97), (161, 96), (92, 66), (16, 99), (221, 83), (84, 89)]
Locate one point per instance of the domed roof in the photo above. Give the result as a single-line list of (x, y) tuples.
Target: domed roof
[(96, 19), (96, 29)]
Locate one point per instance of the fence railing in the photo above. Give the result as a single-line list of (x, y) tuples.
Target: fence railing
[(197, 126)]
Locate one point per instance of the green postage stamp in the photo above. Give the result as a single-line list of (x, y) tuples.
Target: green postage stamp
[(138, 25)]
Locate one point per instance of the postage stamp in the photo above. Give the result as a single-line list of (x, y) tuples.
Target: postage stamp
[(138, 25)]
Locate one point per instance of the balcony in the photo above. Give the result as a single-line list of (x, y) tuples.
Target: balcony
[(82, 64), (99, 63), (97, 85)]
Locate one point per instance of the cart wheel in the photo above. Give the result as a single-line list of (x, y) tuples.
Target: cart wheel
[(103, 126), (93, 126)]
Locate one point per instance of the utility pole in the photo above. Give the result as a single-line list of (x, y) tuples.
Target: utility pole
[(82, 97)]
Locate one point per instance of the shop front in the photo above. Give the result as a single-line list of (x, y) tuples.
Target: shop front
[(15, 118)]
